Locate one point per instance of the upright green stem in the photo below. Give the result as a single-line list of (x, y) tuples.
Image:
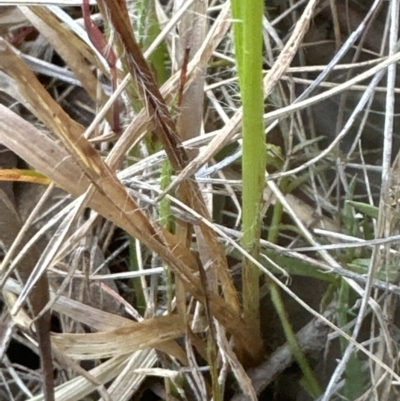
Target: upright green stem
[(248, 45)]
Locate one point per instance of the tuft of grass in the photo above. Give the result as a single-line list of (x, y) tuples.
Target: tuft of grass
[(143, 141)]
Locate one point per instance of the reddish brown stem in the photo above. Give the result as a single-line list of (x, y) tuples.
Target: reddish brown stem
[(100, 43)]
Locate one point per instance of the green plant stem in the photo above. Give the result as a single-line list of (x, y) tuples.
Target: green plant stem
[(309, 380), (248, 46), (166, 221), (148, 30)]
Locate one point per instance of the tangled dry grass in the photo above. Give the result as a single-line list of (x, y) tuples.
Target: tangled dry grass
[(121, 202)]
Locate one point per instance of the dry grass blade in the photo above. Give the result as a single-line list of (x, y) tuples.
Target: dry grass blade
[(139, 69), (128, 381), (71, 48), (106, 322), (192, 35), (80, 387), (54, 162), (150, 333), (71, 133), (11, 238), (94, 318), (168, 90)]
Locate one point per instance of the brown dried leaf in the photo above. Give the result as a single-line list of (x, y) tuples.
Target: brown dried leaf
[(104, 321), (150, 333)]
